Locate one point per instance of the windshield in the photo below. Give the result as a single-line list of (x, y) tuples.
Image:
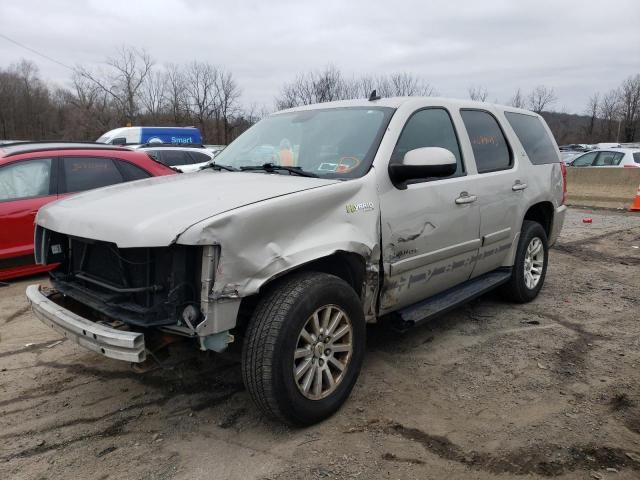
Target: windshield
[(330, 143)]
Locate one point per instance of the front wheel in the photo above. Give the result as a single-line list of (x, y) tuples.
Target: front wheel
[(304, 348), (530, 265)]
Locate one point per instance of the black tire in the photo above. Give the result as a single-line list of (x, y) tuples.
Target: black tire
[(516, 290), (272, 338)]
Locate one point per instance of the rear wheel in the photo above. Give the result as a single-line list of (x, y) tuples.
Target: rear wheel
[(530, 266), (304, 348)]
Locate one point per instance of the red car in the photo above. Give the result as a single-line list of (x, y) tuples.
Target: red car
[(35, 173)]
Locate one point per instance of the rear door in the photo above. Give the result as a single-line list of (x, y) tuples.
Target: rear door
[(84, 173), (499, 187), (608, 159), (25, 186)]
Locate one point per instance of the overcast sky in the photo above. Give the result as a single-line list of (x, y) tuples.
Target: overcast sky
[(576, 47)]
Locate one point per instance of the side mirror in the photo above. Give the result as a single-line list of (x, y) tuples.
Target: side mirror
[(423, 162)]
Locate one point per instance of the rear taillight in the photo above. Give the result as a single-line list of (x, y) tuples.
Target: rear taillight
[(563, 169)]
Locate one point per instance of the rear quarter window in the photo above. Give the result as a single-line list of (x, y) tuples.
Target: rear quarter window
[(534, 138), (636, 157), (199, 157), (130, 171)]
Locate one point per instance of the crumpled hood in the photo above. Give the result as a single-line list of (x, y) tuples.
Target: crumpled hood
[(153, 212)]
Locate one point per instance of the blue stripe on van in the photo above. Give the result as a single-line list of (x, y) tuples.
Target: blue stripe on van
[(170, 135)]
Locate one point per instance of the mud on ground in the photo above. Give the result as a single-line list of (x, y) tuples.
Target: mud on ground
[(546, 389)]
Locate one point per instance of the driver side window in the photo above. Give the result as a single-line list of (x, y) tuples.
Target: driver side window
[(431, 127)]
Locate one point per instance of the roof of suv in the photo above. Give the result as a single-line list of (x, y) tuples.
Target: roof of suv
[(396, 102), (11, 149)]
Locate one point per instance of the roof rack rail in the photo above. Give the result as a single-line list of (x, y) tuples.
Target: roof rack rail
[(49, 142), (55, 146), (164, 144)]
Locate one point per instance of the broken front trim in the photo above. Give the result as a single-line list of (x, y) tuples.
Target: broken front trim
[(110, 342)]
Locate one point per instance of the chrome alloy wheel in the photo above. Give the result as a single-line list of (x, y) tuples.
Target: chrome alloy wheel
[(533, 263), (323, 352)]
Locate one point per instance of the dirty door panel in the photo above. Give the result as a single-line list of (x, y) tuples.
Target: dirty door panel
[(430, 241)]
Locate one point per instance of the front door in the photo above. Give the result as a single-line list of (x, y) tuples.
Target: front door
[(430, 229)]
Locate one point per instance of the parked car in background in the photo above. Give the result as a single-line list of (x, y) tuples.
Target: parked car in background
[(576, 147), (618, 157), (182, 158), (606, 145), (215, 149), (34, 174), (567, 156), (138, 135)]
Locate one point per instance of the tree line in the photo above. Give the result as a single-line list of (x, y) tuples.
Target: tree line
[(610, 117), (130, 88)]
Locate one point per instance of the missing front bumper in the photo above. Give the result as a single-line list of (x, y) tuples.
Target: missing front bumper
[(110, 342)]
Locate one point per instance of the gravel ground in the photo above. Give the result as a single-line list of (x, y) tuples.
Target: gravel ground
[(546, 389)]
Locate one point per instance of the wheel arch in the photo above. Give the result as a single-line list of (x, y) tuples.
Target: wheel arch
[(349, 266), (542, 213)]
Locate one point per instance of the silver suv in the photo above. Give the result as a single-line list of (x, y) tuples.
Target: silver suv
[(313, 223)]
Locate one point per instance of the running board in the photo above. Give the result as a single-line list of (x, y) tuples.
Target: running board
[(449, 299)]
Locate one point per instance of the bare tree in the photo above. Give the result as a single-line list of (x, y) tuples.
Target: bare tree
[(321, 86), (592, 110), (609, 112), (228, 95), (479, 93), (175, 94), (123, 80), (153, 93), (629, 100), (517, 100), (541, 97), (202, 93), (407, 85), (329, 85), (92, 113)]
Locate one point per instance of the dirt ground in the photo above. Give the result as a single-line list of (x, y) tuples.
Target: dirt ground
[(546, 389)]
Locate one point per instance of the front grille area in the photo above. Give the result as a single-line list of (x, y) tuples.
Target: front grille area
[(139, 286)]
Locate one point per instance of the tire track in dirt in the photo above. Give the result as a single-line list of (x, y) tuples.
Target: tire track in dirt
[(12, 316), (547, 460)]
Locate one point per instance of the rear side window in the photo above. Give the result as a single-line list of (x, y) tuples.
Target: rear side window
[(533, 137), (585, 160), (490, 147), (608, 159), (172, 158), (199, 157), (130, 171), (25, 179), (84, 173), (431, 127), (636, 157)]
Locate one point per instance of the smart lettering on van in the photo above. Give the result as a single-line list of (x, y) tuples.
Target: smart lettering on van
[(139, 135)]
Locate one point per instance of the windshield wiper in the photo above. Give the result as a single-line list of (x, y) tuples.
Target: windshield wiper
[(218, 167), (272, 168)]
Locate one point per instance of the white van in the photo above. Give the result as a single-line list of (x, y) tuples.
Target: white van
[(139, 135)]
